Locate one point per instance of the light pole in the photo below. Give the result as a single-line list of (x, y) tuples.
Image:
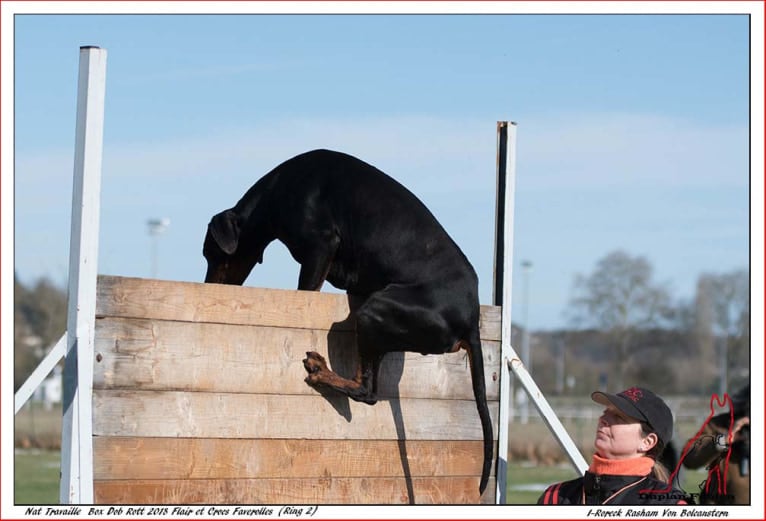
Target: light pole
[(560, 369), (156, 228), (525, 355), (723, 381)]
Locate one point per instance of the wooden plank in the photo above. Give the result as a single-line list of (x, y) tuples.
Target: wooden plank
[(119, 458), (167, 355), (229, 415), (196, 302), (323, 491)]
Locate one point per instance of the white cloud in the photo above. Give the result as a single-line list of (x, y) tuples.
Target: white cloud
[(397, 141), (567, 167), (569, 150)]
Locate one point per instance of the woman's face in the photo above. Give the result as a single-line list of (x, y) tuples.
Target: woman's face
[(620, 437)]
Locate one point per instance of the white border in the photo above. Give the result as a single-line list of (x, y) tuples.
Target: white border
[(756, 9)]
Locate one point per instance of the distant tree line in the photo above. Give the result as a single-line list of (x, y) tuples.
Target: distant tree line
[(39, 320), (624, 329)]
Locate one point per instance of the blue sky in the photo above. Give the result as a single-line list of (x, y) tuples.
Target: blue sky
[(632, 133)]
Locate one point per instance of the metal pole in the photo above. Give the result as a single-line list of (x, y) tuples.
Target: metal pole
[(77, 426), (526, 357), (723, 363), (156, 228), (560, 365), (153, 253)]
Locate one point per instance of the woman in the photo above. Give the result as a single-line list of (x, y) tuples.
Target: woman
[(723, 447), (632, 432)]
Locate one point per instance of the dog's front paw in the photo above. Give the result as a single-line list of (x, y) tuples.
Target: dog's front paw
[(314, 363), (316, 367)]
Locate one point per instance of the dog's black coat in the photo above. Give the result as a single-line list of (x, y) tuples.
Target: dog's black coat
[(347, 222)]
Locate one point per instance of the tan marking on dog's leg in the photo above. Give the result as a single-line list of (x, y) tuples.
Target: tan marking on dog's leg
[(460, 344), (320, 374)]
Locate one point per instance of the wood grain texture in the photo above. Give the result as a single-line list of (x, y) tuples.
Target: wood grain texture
[(229, 415), (199, 398), (322, 491), (225, 304), (118, 458), (146, 354)]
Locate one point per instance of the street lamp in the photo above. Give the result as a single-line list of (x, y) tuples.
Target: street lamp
[(156, 228), (723, 380), (525, 355)]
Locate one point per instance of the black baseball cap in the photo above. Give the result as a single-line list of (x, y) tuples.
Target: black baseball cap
[(643, 405)]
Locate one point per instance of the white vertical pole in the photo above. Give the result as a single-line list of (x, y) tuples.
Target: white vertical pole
[(506, 174), (77, 427), (506, 180)]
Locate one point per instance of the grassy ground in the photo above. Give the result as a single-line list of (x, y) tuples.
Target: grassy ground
[(38, 428), (526, 482), (36, 477), (37, 459)]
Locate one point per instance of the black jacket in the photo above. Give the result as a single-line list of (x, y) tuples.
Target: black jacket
[(601, 489)]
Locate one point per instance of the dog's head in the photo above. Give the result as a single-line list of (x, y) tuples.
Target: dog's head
[(230, 258)]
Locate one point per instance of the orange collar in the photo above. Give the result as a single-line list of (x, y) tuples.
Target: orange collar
[(640, 466)]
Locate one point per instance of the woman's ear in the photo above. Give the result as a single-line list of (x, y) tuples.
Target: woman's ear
[(648, 442)]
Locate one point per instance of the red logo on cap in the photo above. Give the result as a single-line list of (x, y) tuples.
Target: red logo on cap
[(634, 393)]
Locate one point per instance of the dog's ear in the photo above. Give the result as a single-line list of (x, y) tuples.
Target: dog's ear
[(224, 228)]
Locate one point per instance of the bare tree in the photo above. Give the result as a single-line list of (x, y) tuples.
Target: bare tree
[(620, 298), (722, 322)]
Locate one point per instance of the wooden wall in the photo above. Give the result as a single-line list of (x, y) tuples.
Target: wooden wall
[(199, 397)]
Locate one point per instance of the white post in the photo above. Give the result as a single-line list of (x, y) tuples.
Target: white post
[(77, 427), (506, 184)]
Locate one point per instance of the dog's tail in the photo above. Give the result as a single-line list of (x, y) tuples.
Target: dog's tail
[(476, 361)]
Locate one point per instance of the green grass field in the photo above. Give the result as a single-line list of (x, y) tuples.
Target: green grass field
[(526, 482), (36, 477)]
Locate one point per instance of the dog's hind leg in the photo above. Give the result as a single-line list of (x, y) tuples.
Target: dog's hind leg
[(412, 318), (404, 318), (397, 318)]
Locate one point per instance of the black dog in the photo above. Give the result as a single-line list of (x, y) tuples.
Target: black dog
[(349, 223)]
